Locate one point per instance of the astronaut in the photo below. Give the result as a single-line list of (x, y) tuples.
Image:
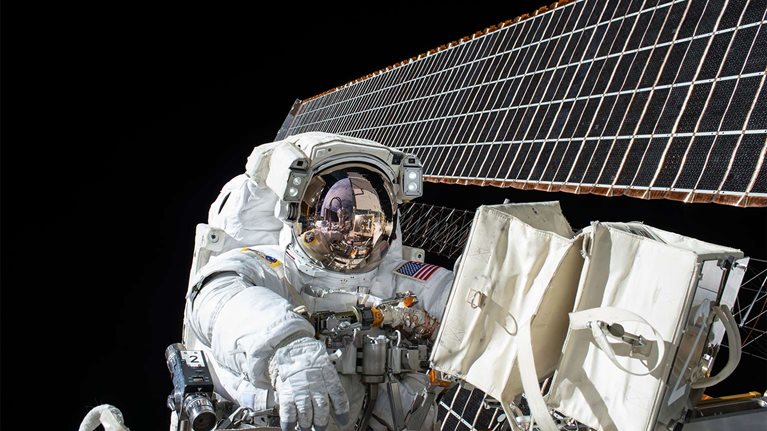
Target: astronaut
[(300, 272)]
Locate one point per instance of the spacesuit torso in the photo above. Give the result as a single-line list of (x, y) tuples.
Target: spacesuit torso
[(247, 296), (245, 304)]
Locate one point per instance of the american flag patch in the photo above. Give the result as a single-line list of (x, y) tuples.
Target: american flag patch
[(417, 270)]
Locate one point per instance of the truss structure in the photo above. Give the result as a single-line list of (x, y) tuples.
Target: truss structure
[(751, 310), (437, 229)]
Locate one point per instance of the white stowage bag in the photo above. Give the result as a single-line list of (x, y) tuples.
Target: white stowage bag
[(645, 279), (520, 261)]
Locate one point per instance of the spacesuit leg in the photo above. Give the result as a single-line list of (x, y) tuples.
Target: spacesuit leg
[(410, 385)]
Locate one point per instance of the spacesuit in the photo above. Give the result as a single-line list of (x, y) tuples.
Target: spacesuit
[(311, 229)]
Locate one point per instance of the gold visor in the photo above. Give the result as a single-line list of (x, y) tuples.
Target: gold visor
[(347, 218)]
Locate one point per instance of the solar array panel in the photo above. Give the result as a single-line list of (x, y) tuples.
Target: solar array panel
[(466, 409), (647, 98)]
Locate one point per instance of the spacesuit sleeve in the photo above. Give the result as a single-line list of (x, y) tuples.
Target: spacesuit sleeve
[(246, 212), (243, 324), (432, 293), (431, 285)]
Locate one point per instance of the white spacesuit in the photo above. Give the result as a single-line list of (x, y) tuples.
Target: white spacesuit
[(307, 242)]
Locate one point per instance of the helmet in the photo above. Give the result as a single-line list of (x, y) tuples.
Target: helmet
[(346, 219)]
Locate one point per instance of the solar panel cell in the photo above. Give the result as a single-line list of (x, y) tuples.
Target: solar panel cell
[(599, 37), (580, 164), (534, 31), (645, 111), (585, 120), (715, 55), (636, 31), (495, 156), (653, 66), (600, 120), (672, 66), (620, 7), (528, 160), (743, 98), (596, 13), (567, 160), (711, 14), (758, 52), (616, 72), (649, 162), (694, 108), (451, 423), (755, 12), (694, 162), (562, 115), (554, 161), (718, 160), (595, 159), (615, 120), (542, 86), (549, 123), (616, 150), (576, 11), (760, 185), (567, 78), (657, 18), (737, 57), (758, 119), (733, 12), (745, 161), (628, 28), (541, 159), (671, 109), (632, 159), (689, 68), (677, 11), (672, 161)]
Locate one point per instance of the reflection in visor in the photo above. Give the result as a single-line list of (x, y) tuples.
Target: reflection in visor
[(346, 219)]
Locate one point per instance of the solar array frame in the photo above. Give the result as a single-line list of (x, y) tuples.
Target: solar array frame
[(645, 98)]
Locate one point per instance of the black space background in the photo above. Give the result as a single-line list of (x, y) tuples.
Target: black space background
[(120, 123)]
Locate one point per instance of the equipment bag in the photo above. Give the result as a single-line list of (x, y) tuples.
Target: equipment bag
[(520, 260), (640, 338)]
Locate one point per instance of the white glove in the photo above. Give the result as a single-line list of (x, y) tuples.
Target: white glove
[(305, 382)]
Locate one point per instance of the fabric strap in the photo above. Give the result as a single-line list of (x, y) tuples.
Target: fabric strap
[(590, 319), (538, 409), (578, 320), (733, 353)]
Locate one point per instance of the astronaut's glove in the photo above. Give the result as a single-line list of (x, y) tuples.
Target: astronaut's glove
[(306, 382)]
